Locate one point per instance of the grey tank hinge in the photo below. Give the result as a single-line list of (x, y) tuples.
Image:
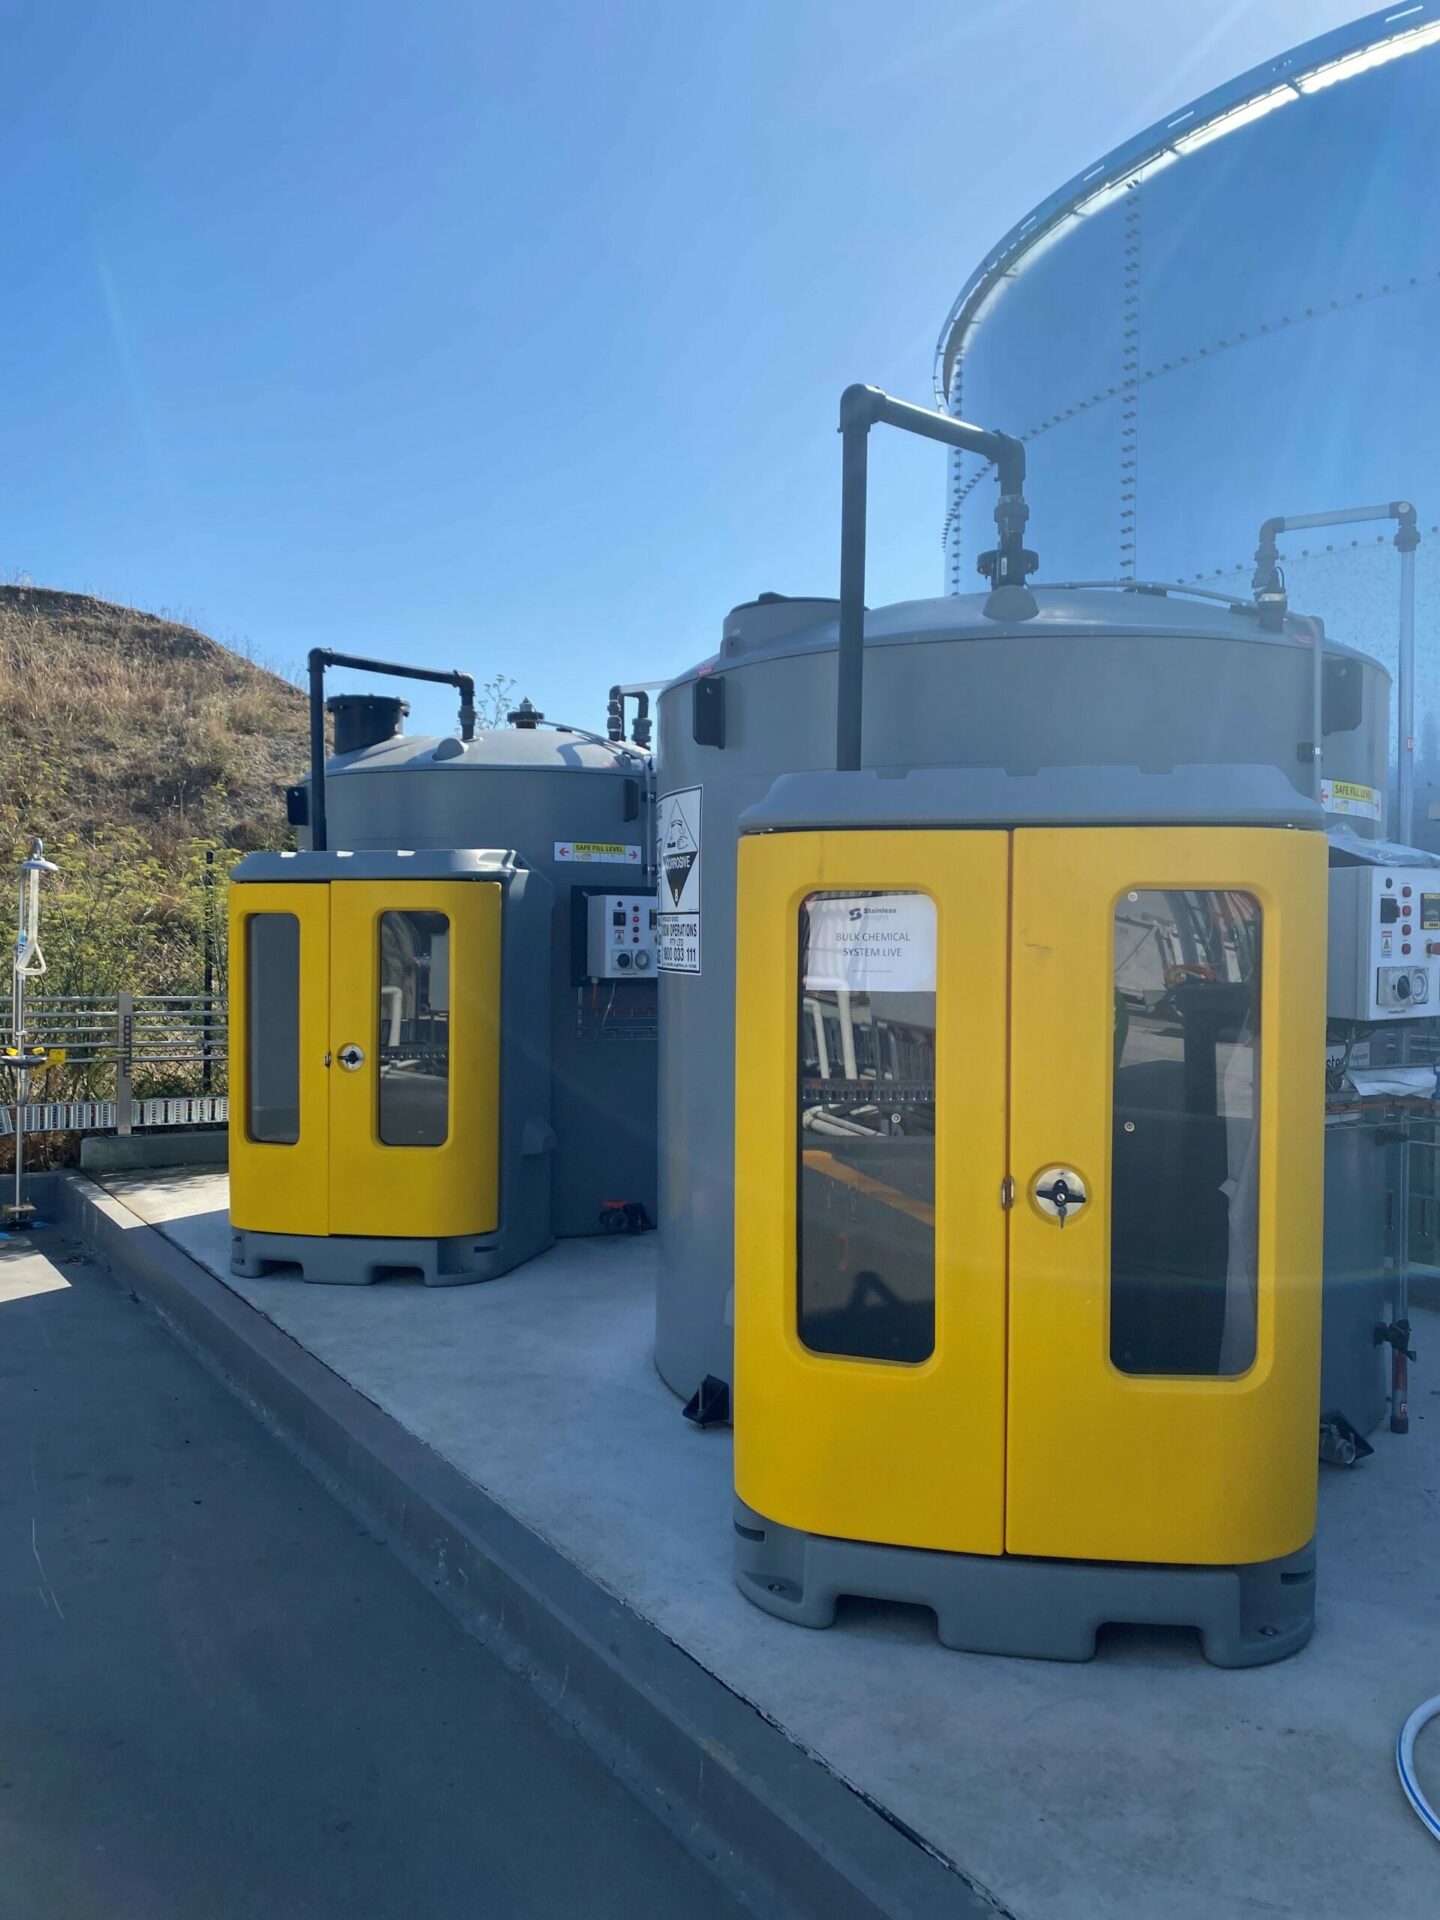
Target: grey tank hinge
[(1007, 1191)]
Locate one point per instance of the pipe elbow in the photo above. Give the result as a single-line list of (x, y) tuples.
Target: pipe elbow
[(1009, 461), (860, 407)]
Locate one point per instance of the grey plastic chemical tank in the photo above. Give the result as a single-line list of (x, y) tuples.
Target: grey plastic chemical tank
[(576, 809), (1098, 678)]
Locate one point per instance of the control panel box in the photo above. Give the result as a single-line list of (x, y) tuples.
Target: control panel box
[(620, 936), (1384, 943)]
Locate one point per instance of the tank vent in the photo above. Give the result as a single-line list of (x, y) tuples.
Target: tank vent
[(365, 719), (526, 717), (772, 617)]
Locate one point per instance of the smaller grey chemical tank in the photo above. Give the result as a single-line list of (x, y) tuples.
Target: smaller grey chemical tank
[(1139, 677), (577, 810)]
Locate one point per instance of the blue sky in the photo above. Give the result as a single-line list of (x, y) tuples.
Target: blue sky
[(511, 337)]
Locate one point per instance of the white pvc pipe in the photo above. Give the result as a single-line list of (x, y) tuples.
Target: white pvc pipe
[(847, 1034), (822, 1052), (1405, 694), (1405, 1765)]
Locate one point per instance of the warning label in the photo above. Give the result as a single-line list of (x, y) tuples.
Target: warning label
[(677, 854), (617, 852), (1348, 796)]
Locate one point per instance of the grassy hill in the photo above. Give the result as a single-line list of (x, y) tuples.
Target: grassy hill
[(148, 757), (115, 720)]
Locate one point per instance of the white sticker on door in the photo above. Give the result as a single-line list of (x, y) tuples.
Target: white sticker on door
[(875, 943), (677, 855)]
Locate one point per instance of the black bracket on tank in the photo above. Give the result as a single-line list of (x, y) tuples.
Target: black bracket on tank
[(707, 715), (709, 1405), (323, 657), (1396, 1335), (1007, 567)]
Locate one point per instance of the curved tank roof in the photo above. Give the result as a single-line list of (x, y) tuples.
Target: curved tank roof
[(1299, 75), (1156, 612), (536, 749)]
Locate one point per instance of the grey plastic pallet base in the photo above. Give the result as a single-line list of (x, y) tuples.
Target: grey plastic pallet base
[(1039, 1609), (336, 1260)]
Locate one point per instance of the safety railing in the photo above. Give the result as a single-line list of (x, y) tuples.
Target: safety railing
[(174, 1043)]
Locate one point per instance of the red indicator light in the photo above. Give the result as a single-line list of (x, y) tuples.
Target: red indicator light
[(1404, 946)]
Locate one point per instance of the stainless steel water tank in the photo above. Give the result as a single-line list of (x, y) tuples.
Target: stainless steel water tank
[(1184, 359), (1097, 678)]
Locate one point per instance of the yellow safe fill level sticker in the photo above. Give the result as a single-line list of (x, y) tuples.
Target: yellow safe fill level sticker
[(1348, 796), (613, 852)]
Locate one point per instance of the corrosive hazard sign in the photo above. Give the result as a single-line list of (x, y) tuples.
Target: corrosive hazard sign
[(677, 854)]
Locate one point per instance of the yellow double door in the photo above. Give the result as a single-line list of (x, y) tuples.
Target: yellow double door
[(365, 1057), (1048, 1403)]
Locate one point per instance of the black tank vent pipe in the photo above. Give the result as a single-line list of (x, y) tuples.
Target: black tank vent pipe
[(323, 657), (1006, 567)]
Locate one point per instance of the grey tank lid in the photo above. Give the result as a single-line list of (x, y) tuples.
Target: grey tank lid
[(774, 627), (537, 749), (442, 863), (1239, 796)]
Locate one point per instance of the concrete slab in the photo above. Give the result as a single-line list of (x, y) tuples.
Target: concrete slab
[(1145, 1781)]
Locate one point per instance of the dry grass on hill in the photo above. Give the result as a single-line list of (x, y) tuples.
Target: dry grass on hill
[(115, 719)]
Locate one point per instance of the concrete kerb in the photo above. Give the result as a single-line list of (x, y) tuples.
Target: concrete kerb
[(788, 1837)]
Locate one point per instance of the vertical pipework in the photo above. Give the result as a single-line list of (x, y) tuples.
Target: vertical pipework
[(1407, 539), (1006, 566), (318, 840), (1270, 598), (466, 688), (850, 667)]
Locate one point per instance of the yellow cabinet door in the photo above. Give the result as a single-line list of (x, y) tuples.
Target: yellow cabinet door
[(415, 1049), (1166, 1102), (279, 1087), (869, 1156)]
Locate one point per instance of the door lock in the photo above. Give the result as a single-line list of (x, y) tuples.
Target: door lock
[(351, 1057), (1058, 1192)]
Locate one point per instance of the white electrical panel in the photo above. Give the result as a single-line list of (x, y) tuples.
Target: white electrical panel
[(620, 936), (1384, 943)]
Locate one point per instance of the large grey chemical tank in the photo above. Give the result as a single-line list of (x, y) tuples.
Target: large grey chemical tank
[(1097, 678), (576, 808)]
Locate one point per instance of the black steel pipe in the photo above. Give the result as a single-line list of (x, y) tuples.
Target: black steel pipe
[(862, 408), (322, 658)]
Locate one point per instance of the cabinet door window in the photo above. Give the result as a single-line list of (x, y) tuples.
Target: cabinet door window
[(414, 1030), (272, 1025), (866, 1138), (1186, 1132)]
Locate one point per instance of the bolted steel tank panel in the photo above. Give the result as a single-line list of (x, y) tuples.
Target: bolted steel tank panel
[(1096, 679), (1219, 362)]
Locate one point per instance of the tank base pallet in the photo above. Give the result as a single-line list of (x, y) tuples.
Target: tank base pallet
[(338, 1260), (1039, 1609)]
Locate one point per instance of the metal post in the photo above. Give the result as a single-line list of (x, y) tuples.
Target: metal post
[(1400, 1292), (28, 960), (125, 1059)]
